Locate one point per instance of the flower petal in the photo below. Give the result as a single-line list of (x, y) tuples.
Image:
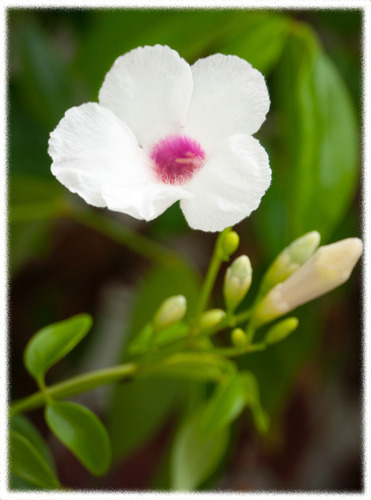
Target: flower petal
[(149, 88), (144, 201), (91, 147), (229, 186), (229, 97)]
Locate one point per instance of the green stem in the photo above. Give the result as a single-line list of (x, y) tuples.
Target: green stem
[(29, 212), (122, 234), (240, 318), (235, 351), (73, 386), (212, 272)]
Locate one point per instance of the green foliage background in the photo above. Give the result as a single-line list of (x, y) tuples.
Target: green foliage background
[(311, 60)]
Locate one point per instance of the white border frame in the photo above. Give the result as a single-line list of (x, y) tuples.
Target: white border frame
[(363, 5)]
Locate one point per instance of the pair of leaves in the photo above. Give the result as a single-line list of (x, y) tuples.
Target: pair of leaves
[(30, 458), (76, 426), (202, 439)]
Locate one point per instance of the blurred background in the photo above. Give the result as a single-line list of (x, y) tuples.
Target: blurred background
[(66, 258)]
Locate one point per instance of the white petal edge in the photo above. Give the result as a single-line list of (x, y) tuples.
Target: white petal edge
[(149, 88), (229, 186), (143, 201), (91, 147), (229, 97)]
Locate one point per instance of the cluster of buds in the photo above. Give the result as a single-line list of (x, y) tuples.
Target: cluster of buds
[(329, 267), (300, 273), (289, 260)]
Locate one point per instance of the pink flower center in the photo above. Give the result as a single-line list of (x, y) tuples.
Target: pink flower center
[(176, 158)]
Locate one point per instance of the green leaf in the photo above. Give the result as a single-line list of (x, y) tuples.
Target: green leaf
[(194, 455), (17, 483), (33, 203), (44, 84), (27, 463), (142, 406), (29, 190), (262, 41), (82, 432), (53, 342), (192, 366), (316, 161), (225, 405), (146, 337), (251, 387), (124, 30), (20, 424)]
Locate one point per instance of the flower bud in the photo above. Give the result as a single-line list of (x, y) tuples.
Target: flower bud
[(210, 318), (237, 281), (290, 259), (171, 311), (327, 269), (239, 338), (230, 243), (281, 330)]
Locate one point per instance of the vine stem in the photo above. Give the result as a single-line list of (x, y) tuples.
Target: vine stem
[(73, 386), (88, 381), (212, 272)]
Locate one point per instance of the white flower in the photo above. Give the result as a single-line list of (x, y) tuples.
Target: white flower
[(165, 131)]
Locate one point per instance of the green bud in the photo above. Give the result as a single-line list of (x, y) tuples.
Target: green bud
[(171, 311), (239, 338), (237, 281), (230, 243), (210, 318), (281, 330), (290, 259)]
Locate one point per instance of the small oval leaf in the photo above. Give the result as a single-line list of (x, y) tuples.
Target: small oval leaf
[(27, 463), (192, 366), (147, 338), (260, 416), (82, 433), (225, 404), (53, 342), (20, 424), (195, 456)]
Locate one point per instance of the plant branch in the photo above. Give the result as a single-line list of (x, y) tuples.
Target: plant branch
[(73, 386), (122, 234), (212, 272)]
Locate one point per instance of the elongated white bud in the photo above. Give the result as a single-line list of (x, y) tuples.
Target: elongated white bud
[(290, 259), (327, 269), (237, 281), (171, 311)]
